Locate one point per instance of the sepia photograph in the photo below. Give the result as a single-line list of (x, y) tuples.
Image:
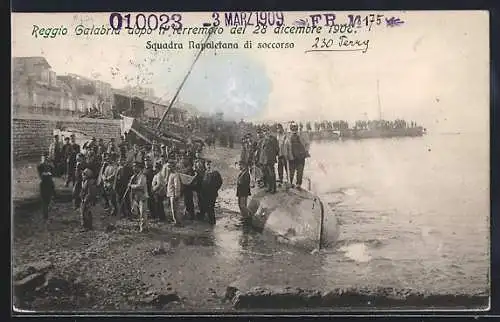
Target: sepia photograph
[(246, 162)]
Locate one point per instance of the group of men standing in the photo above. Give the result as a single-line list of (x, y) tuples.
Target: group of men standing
[(146, 181), (273, 146)]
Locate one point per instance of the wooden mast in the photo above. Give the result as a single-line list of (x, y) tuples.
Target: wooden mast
[(158, 126)]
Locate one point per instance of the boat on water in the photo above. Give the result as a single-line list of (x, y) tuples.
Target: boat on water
[(385, 133), (372, 129), (368, 133)]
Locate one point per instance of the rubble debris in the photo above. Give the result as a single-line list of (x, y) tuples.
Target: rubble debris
[(28, 284), (288, 297), (110, 228), (23, 271), (160, 300), (172, 305), (159, 251), (54, 283), (275, 297)]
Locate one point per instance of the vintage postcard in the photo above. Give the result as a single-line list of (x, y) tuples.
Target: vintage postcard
[(250, 161)]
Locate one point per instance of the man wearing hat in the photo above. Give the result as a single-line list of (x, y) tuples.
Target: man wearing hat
[(112, 148), (93, 144), (154, 153), (123, 148), (65, 154), (88, 197), (55, 154), (149, 173), (163, 152), (269, 150), (174, 186), (139, 189), (71, 160), (47, 188), (209, 190), (282, 163), (91, 160), (108, 179), (296, 150), (77, 187), (259, 171), (101, 149), (243, 190), (120, 185), (186, 167), (199, 173), (246, 150), (100, 183), (158, 189)]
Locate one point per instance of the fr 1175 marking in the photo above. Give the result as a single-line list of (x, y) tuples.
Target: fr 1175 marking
[(264, 18), (329, 19), (163, 21), (367, 21)]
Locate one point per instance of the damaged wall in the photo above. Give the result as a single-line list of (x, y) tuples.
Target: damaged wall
[(32, 134)]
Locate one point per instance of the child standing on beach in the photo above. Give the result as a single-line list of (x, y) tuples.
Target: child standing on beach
[(243, 190)]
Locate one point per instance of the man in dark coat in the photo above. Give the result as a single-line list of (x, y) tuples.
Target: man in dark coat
[(77, 187), (243, 191), (199, 173), (65, 154), (210, 185), (112, 148), (92, 161), (88, 196), (101, 149), (93, 145), (296, 150), (120, 185), (257, 147), (282, 163), (186, 167), (71, 161), (123, 148), (47, 188), (269, 151), (149, 173), (100, 184)]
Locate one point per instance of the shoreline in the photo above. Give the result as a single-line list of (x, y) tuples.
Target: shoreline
[(187, 269)]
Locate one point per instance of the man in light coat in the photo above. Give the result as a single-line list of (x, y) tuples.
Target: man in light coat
[(108, 178), (139, 189), (282, 162), (158, 189), (174, 186)]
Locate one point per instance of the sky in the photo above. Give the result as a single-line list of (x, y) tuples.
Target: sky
[(433, 69)]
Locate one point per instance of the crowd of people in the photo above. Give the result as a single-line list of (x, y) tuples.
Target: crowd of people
[(340, 125), (147, 181), (160, 181), (260, 156)]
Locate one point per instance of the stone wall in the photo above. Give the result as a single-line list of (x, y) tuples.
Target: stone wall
[(32, 134)]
